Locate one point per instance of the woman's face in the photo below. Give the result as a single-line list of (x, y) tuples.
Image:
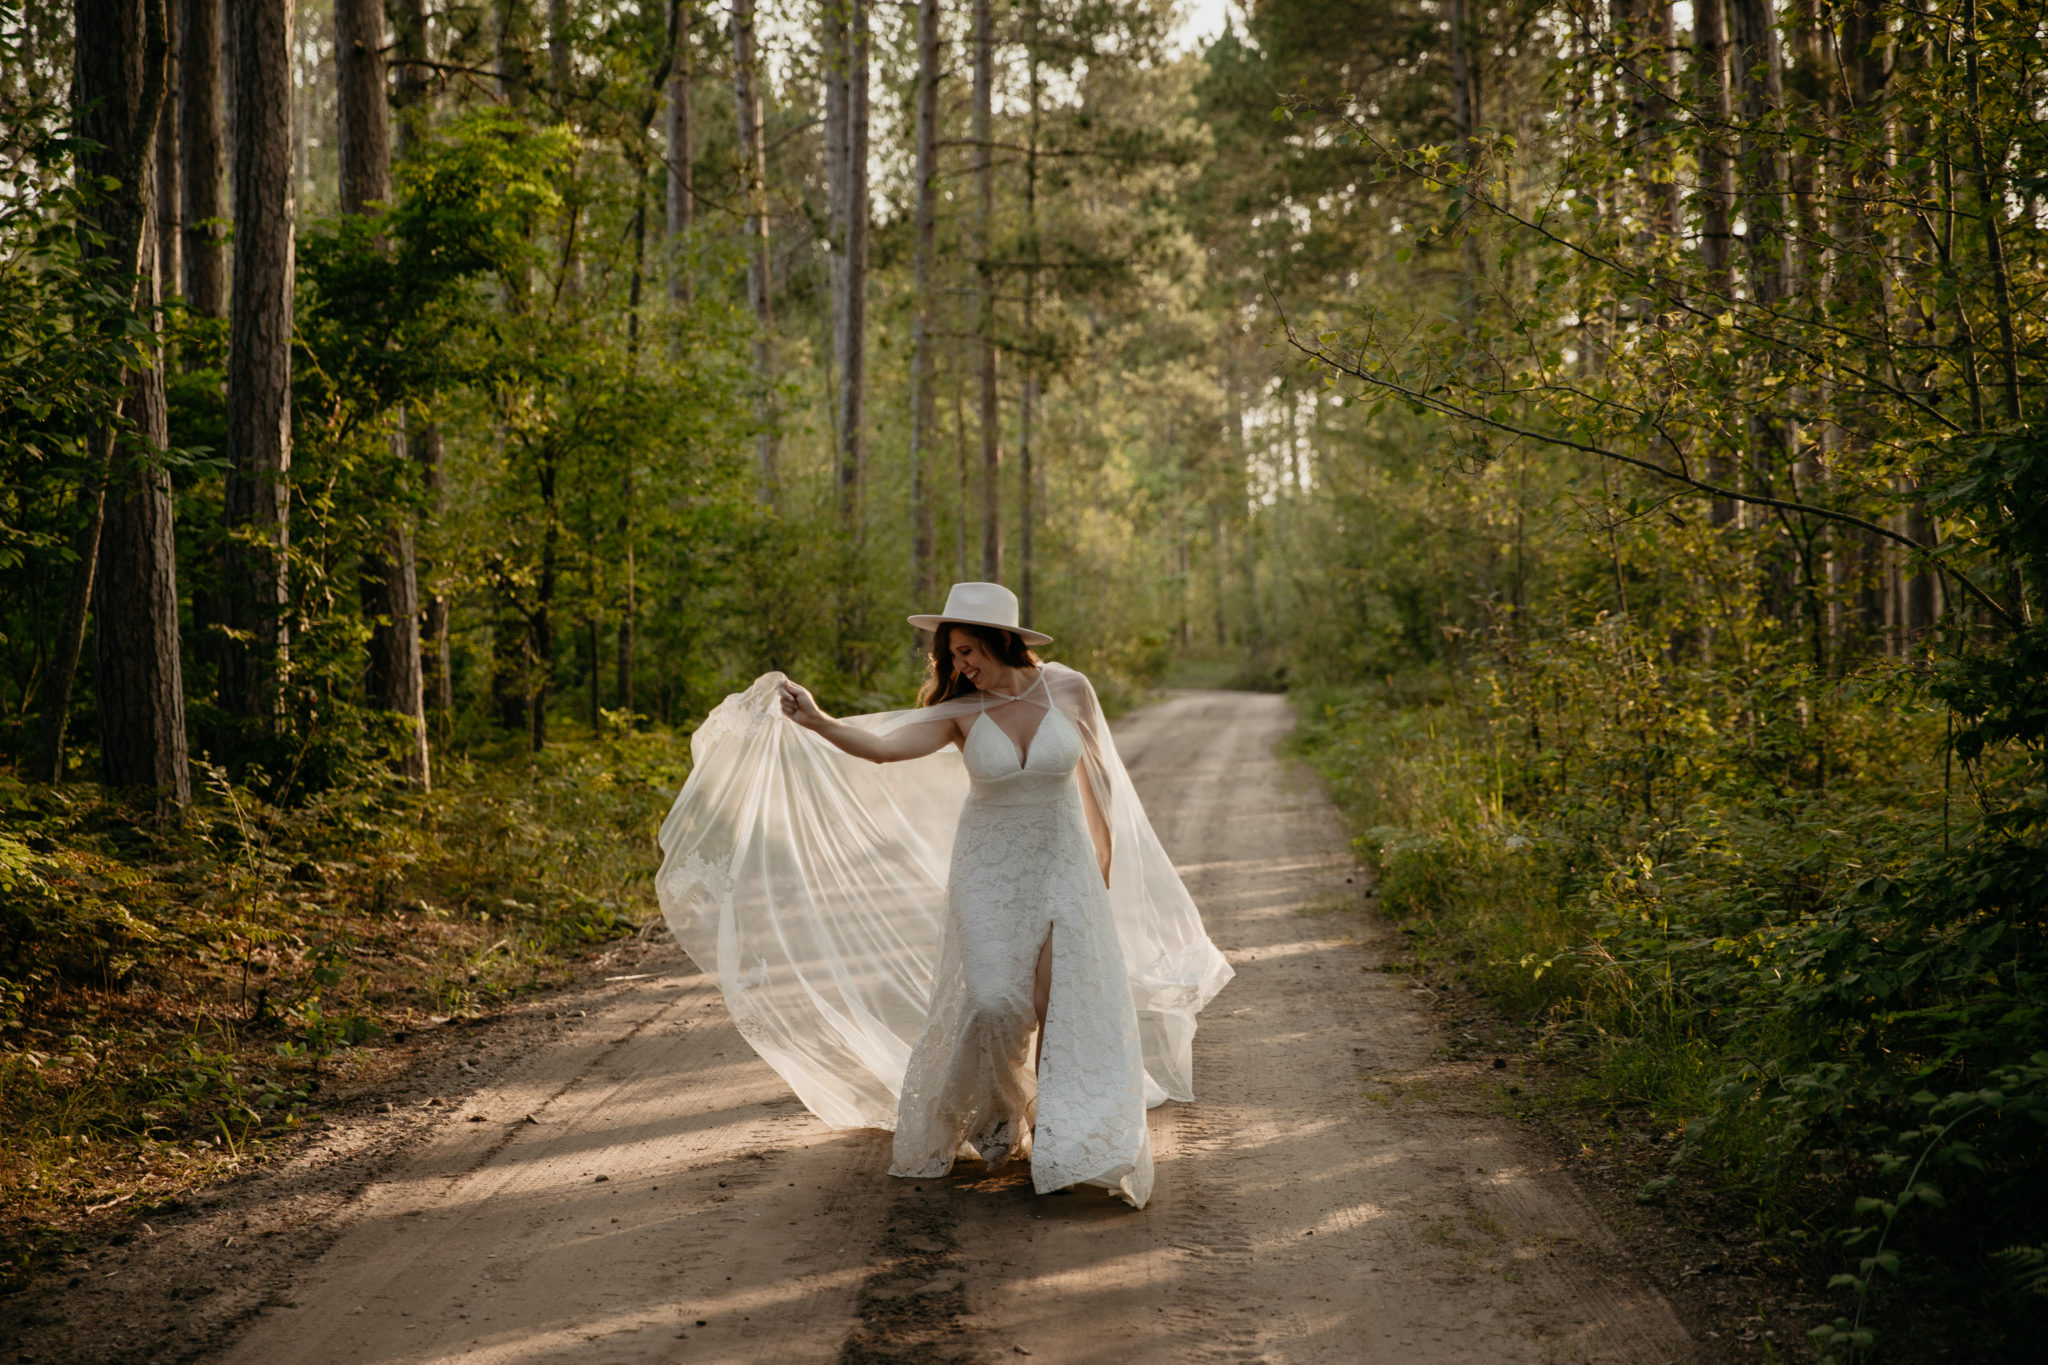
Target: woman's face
[(971, 659)]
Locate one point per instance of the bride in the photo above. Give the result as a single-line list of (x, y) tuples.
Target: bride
[(953, 921)]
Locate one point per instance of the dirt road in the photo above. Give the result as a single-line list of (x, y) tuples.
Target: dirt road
[(639, 1187)]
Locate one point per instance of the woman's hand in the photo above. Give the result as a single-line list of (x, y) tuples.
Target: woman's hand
[(800, 706)]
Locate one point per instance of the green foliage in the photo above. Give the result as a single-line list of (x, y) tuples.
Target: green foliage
[(1729, 897), (171, 1000), (389, 308)]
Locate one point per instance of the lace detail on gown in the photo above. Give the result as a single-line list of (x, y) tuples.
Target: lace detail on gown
[(826, 897), (1024, 867)]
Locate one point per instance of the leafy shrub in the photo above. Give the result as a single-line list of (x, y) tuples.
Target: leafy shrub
[(1750, 905)]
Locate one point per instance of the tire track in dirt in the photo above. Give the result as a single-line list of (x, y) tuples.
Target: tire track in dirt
[(1337, 1192), (671, 1200), (1340, 1192)]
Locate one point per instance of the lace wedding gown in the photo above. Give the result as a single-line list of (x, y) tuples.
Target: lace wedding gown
[(1024, 869), (875, 929)]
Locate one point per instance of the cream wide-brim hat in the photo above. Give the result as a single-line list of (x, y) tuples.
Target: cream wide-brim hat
[(982, 604)]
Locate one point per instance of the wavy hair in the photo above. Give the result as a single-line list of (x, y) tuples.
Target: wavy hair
[(942, 682)]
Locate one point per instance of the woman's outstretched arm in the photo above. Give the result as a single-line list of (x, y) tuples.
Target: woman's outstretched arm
[(910, 741)]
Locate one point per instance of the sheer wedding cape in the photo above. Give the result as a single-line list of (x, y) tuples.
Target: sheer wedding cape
[(811, 886)]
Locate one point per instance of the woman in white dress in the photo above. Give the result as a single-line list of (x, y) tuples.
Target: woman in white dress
[(1045, 984)]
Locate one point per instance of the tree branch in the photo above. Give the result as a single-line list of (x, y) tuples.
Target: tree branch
[(1445, 407)]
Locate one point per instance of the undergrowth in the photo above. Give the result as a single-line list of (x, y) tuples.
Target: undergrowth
[(172, 999), (1767, 910)]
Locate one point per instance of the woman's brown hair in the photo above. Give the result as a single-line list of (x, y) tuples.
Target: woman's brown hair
[(944, 683)]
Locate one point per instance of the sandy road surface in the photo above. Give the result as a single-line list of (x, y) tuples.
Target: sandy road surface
[(1338, 1194)]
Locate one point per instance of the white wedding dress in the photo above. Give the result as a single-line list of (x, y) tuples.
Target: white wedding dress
[(1024, 868), (876, 930)]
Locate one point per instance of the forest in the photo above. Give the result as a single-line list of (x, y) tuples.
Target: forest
[(1617, 424)]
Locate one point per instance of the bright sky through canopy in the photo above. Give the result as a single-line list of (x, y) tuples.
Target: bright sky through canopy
[(1201, 21)]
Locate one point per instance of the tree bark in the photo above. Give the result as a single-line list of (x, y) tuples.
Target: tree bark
[(1756, 69), (412, 95), (846, 148), (1716, 195), (170, 199), (1717, 185), (1660, 58), (439, 684), (751, 115), (509, 58), (202, 143), (1465, 114), (559, 54), (923, 370), (138, 677), (389, 570), (1991, 212), (413, 101), (137, 674), (259, 444), (682, 206), (121, 55), (985, 299), (1757, 73), (541, 680), (629, 606), (1027, 501), (362, 105)]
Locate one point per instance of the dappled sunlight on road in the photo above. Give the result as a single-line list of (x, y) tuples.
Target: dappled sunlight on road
[(1338, 1191)]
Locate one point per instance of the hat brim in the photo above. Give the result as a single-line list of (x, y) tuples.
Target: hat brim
[(1029, 637)]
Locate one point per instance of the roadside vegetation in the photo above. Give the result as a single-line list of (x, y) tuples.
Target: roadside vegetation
[(175, 999), (1621, 424), (1768, 916)]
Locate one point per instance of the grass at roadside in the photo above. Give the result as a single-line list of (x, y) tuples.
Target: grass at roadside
[(1494, 896), (1677, 894), (172, 1001)]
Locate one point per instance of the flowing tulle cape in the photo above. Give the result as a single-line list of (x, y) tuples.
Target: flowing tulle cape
[(811, 886)]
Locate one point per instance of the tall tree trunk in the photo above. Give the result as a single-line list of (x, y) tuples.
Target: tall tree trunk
[(389, 573), (509, 57), (138, 677), (985, 299), (1756, 63), (846, 149), (202, 148), (413, 107), (1661, 65), (1756, 75), (1254, 630), (202, 144), (1465, 115), (682, 205), (170, 200), (541, 677), (559, 54), (412, 82), (570, 281), (259, 444), (629, 607), (1756, 69), (362, 105), (751, 113), (923, 370), (1991, 214), (963, 521), (1027, 397), (1716, 197), (119, 77)]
